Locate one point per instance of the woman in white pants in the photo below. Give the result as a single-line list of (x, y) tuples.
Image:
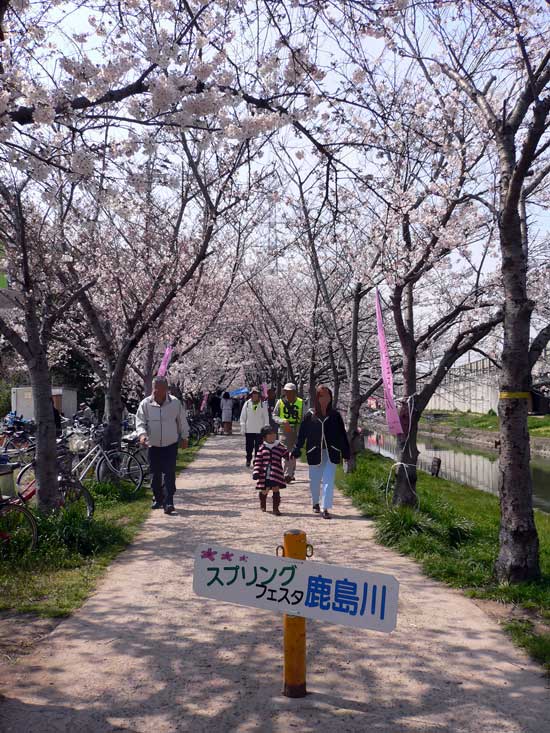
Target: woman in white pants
[(324, 434)]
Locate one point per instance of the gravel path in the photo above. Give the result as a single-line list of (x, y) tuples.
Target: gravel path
[(146, 655)]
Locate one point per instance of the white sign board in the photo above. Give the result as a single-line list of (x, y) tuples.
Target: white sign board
[(315, 590)]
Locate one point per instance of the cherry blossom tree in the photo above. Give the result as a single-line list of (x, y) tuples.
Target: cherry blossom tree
[(148, 243), (496, 57), (31, 236), (490, 62)]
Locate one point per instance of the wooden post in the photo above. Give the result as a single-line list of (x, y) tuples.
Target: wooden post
[(294, 643)]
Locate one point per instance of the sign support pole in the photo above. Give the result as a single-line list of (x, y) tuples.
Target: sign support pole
[(294, 642)]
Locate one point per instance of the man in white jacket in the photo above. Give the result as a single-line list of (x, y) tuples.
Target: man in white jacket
[(161, 424), (254, 416)]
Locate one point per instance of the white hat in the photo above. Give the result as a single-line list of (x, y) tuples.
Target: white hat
[(289, 387)]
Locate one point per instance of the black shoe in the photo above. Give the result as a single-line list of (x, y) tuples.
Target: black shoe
[(316, 509), (156, 505), (248, 464), (326, 514), (169, 509)]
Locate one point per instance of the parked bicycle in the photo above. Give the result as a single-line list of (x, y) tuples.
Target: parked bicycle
[(72, 491), (131, 444), (18, 529), (18, 525), (106, 465)]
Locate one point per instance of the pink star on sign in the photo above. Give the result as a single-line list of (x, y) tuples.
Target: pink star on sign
[(243, 558), (209, 554), (227, 556)]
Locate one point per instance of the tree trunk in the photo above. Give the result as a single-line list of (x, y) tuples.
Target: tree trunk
[(335, 377), (46, 464), (354, 411), (406, 474), (113, 409), (354, 408), (148, 371), (311, 378), (518, 558), (405, 478)]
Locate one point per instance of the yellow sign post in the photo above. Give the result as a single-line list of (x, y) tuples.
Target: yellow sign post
[(294, 641)]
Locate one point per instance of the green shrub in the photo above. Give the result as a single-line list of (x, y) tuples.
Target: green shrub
[(400, 522), (113, 491), (65, 538)]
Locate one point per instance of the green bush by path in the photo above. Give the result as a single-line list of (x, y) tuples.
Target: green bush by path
[(454, 535), (538, 426), (73, 553)]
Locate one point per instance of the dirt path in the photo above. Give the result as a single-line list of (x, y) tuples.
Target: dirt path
[(145, 655)]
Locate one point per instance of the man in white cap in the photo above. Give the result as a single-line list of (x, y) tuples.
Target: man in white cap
[(254, 417), (288, 413)]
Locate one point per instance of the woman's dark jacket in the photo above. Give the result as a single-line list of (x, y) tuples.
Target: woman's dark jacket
[(313, 429)]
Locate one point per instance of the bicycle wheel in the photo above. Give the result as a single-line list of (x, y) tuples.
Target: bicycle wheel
[(18, 531), (76, 498), (26, 478), (140, 455), (124, 467), (18, 451)]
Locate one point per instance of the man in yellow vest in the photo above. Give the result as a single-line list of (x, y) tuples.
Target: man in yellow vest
[(288, 413)]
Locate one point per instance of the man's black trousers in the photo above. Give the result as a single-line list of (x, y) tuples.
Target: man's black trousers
[(253, 442), (162, 462)]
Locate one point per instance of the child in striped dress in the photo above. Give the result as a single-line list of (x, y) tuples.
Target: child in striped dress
[(268, 469)]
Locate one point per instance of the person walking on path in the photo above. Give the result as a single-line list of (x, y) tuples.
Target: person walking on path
[(161, 424), (226, 404), (270, 404), (253, 418), (214, 403), (324, 432), (268, 469), (288, 413)]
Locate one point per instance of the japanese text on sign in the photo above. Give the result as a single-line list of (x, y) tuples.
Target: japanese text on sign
[(302, 588)]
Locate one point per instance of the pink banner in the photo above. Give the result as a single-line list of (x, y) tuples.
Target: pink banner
[(165, 361), (392, 417), (264, 391), (204, 401)]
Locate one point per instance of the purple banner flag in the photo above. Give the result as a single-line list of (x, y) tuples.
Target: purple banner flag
[(165, 361), (392, 417), (204, 401), (264, 391)]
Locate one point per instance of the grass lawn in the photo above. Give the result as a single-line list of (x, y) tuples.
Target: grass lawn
[(538, 426), (73, 553), (454, 536)]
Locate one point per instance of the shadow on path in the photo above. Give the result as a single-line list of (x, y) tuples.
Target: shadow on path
[(146, 655)]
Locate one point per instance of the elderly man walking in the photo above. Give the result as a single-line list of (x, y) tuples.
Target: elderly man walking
[(288, 413), (161, 424)]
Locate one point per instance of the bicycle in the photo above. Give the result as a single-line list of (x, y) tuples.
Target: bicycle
[(115, 463), (18, 529), (132, 445), (73, 493)]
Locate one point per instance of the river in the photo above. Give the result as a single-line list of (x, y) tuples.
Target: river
[(466, 465)]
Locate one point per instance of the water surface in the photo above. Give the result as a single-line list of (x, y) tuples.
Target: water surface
[(466, 465)]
